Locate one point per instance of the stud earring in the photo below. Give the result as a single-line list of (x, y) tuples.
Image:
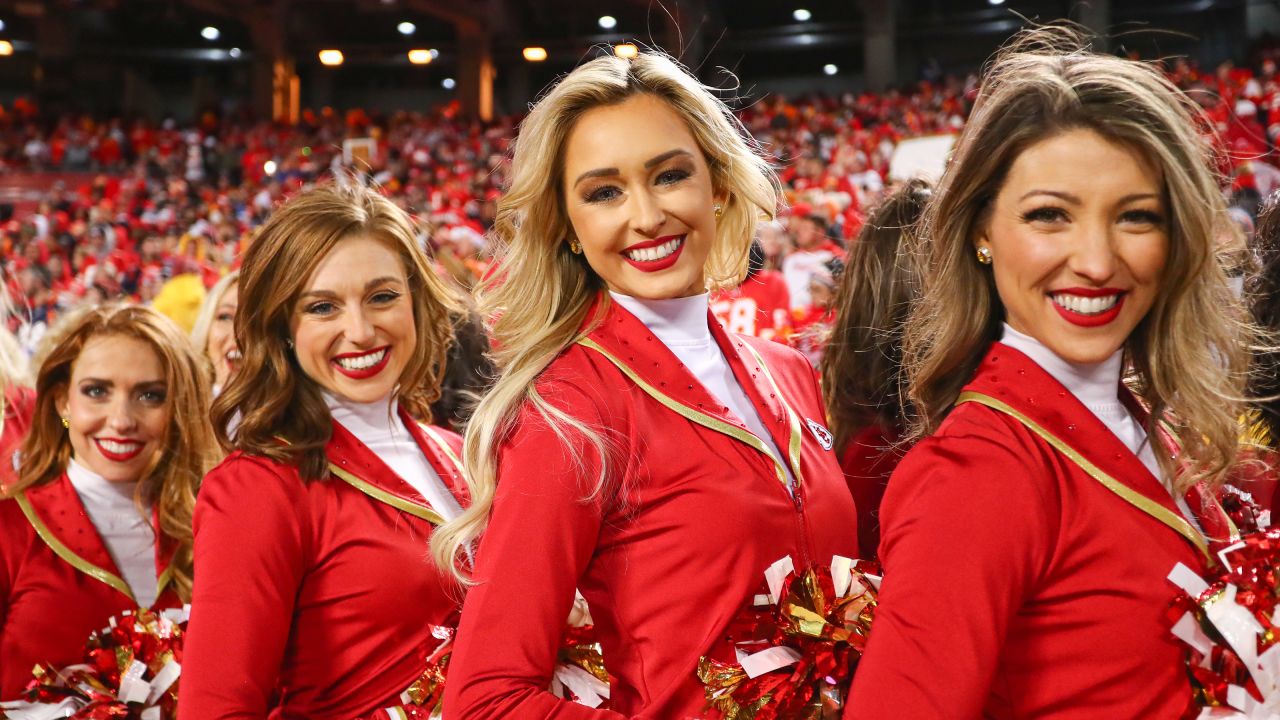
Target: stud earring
[(984, 255), (574, 247), (66, 424), (289, 342), (719, 210)]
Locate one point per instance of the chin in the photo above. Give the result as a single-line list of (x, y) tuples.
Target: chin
[(1087, 352)]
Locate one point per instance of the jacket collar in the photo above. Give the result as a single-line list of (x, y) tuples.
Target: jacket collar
[(351, 461), (629, 344), (62, 523), (1021, 388)]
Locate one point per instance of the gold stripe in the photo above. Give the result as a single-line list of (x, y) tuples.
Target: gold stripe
[(1178, 523), (379, 494), (797, 435), (67, 554), (689, 413), (444, 446), (166, 577)]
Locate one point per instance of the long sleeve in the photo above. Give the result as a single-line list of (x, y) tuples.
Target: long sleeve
[(249, 560), (540, 537), (968, 528)]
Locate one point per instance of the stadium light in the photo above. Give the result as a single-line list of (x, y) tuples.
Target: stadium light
[(421, 57), (626, 51), (331, 57), (210, 33), (234, 53), (406, 28), (830, 69), (801, 15), (434, 53), (269, 167), (6, 48), (608, 22), (535, 54), (1, 26), (996, 2), (448, 83)]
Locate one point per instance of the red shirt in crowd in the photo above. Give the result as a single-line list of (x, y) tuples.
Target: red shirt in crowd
[(759, 307)]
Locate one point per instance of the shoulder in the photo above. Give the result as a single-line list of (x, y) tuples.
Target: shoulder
[(251, 479), (583, 381), (776, 355)]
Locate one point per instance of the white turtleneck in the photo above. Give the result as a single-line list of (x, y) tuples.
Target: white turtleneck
[(127, 534), (1097, 387), (378, 426), (681, 325)]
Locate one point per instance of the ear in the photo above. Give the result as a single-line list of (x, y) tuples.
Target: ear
[(60, 401)]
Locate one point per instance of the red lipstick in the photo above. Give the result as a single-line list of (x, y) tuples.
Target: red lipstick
[(661, 263), (115, 456), (1093, 320), (362, 373)]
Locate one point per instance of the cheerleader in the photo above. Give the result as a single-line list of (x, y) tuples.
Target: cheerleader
[(99, 520), (214, 332), (862, 365), (316, 597), (631, 448), (1026, 542)]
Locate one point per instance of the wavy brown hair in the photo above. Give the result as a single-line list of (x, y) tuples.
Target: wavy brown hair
[(862, 365), (188, 451), (1264, 297), (272, 395), (1188, 355)]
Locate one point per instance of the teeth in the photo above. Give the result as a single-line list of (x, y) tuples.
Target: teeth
[(363, 361), (119, 448), (234, 356), (655, 253), (1086, 305)]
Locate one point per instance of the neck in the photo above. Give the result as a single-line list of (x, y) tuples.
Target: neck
[(356, 416), (86, 480)]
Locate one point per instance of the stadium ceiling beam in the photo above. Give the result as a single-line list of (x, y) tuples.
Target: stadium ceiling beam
[(465, 22)]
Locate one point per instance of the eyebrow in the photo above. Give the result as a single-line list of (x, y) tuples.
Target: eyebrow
[(1077, 201), (367, 287), (111, 383), (650, 163)]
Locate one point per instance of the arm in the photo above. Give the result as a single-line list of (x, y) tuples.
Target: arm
[(540, 537), (967, 532), (249, 560)]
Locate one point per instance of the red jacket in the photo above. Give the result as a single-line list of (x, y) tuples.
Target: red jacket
[(1019, 585), (867, 461), (675, 547), (57, 582), (314, 599), (19, 403)]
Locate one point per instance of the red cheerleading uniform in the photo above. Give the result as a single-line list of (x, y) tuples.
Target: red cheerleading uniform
[(674, 548), (58, 583), (867, 461), (315, 600), (19, 404), (1026, 551)]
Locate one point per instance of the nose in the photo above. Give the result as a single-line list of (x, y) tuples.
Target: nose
[(647, 215), (121, 419), (358, 327), (1094, 255)]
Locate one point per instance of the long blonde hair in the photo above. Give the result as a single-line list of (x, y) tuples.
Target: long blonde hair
[(209, 310), (1188, 354), (539, 297), (188, 450), (272, 395)]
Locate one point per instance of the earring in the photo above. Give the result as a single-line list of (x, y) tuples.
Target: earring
[(574, 247), (984, 255), (289, 342), (66, 424), (719, 210)]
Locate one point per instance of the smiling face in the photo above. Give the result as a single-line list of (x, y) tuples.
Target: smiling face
[(117, 407), (353, 327), (640, 199), (221, 346), (1078, 237)]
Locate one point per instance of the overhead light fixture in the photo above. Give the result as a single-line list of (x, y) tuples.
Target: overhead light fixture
[(234, 53), (448, 83), (6, 48), (801, 15), (996, 2), (210, 33), (830, 69), (331, 57), (1, 26), (406, 28), (434, 53), (269, 167), (421, 57), (535, 54), (608, 22), (626, 51)]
